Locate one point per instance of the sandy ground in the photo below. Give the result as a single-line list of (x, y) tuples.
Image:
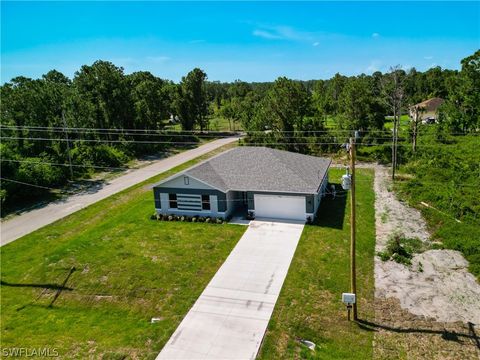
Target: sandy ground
[(444, 290), (437, 287)]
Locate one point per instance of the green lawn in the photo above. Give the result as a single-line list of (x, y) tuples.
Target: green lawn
[(309, 306), (404, 125), (128, 269), (215, 124), (445, 175)]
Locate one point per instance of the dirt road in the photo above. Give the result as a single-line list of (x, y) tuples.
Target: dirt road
[(23, 224)]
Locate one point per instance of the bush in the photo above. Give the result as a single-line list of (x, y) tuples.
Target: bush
[(99, 155), (401, 249), (36, 171), (185, 218)]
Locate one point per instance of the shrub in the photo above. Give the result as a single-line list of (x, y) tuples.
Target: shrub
[(401, 249), (38, 172)]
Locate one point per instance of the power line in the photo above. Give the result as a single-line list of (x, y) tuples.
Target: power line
[(37, 186), (205, 132), (76, 165), (177, 131), (196, 143), (76, 193), (156, 171)]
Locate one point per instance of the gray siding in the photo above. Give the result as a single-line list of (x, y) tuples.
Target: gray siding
[(310, 206)]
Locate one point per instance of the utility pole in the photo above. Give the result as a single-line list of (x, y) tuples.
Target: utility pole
[(394, 144), (68, 144), (353, 274)]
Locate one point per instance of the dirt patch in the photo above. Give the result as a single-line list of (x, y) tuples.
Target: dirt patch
[(437, 287), (403, 335)]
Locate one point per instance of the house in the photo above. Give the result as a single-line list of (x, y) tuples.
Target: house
[(259, 181), (427, 110)]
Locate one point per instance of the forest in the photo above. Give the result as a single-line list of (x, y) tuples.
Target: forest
[(55, 130)]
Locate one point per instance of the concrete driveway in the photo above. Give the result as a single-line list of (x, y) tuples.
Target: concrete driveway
[(23, 224), (230, 317)]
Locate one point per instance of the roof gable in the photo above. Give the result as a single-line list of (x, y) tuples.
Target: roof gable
[(250, 168)]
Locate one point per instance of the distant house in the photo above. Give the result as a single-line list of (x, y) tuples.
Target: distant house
[(262, 182), (427, 110)]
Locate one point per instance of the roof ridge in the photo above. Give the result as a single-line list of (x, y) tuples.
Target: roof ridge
[(275, 153)]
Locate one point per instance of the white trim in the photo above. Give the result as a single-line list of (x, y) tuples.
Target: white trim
[(183, 173)]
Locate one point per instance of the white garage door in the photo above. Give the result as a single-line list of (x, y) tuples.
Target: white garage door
[(280, 207)]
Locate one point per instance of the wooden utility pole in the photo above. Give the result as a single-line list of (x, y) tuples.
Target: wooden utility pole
[(68, 144), (353, 270), (393, 141)]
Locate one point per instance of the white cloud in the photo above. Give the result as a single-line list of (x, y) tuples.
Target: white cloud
[(375, 65), (157, 59), (283, 33), (266, 35), (375, 35), (316, 43)]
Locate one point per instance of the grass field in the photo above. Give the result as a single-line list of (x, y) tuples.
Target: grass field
[(127, 269), (215, 124), (446, 176), (309, 306), (403, 126), (89, 284)]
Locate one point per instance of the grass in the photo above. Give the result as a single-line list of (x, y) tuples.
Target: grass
[(128, 269), (401, 249), (403, 126), (309, 306), (215, 124), (125, 269), (445, 176)]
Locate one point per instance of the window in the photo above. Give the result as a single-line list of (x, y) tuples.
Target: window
[(205, 202), (186, 180), (172, 198)]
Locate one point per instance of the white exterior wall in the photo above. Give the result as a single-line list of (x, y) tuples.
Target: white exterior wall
[(214, 204)]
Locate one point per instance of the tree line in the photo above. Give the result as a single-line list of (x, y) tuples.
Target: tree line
[(109, 117)]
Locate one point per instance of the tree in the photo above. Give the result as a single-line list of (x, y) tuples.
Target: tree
[(392, 88), (461, 112), (104, 89), (359, 108), (150, 99), (191, 101), (284, 106)]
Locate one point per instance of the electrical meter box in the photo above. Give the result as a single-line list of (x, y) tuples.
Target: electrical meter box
[(348, 298), (346, 181)]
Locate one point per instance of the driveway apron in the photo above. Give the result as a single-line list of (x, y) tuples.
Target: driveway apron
[(229, 319)]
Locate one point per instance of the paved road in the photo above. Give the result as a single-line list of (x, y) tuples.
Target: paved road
[(229, 319), (35, 219)]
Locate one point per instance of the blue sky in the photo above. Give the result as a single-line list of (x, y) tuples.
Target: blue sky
[(229, 40)]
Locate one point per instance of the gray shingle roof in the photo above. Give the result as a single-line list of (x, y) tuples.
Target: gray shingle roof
[(248, 168)]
